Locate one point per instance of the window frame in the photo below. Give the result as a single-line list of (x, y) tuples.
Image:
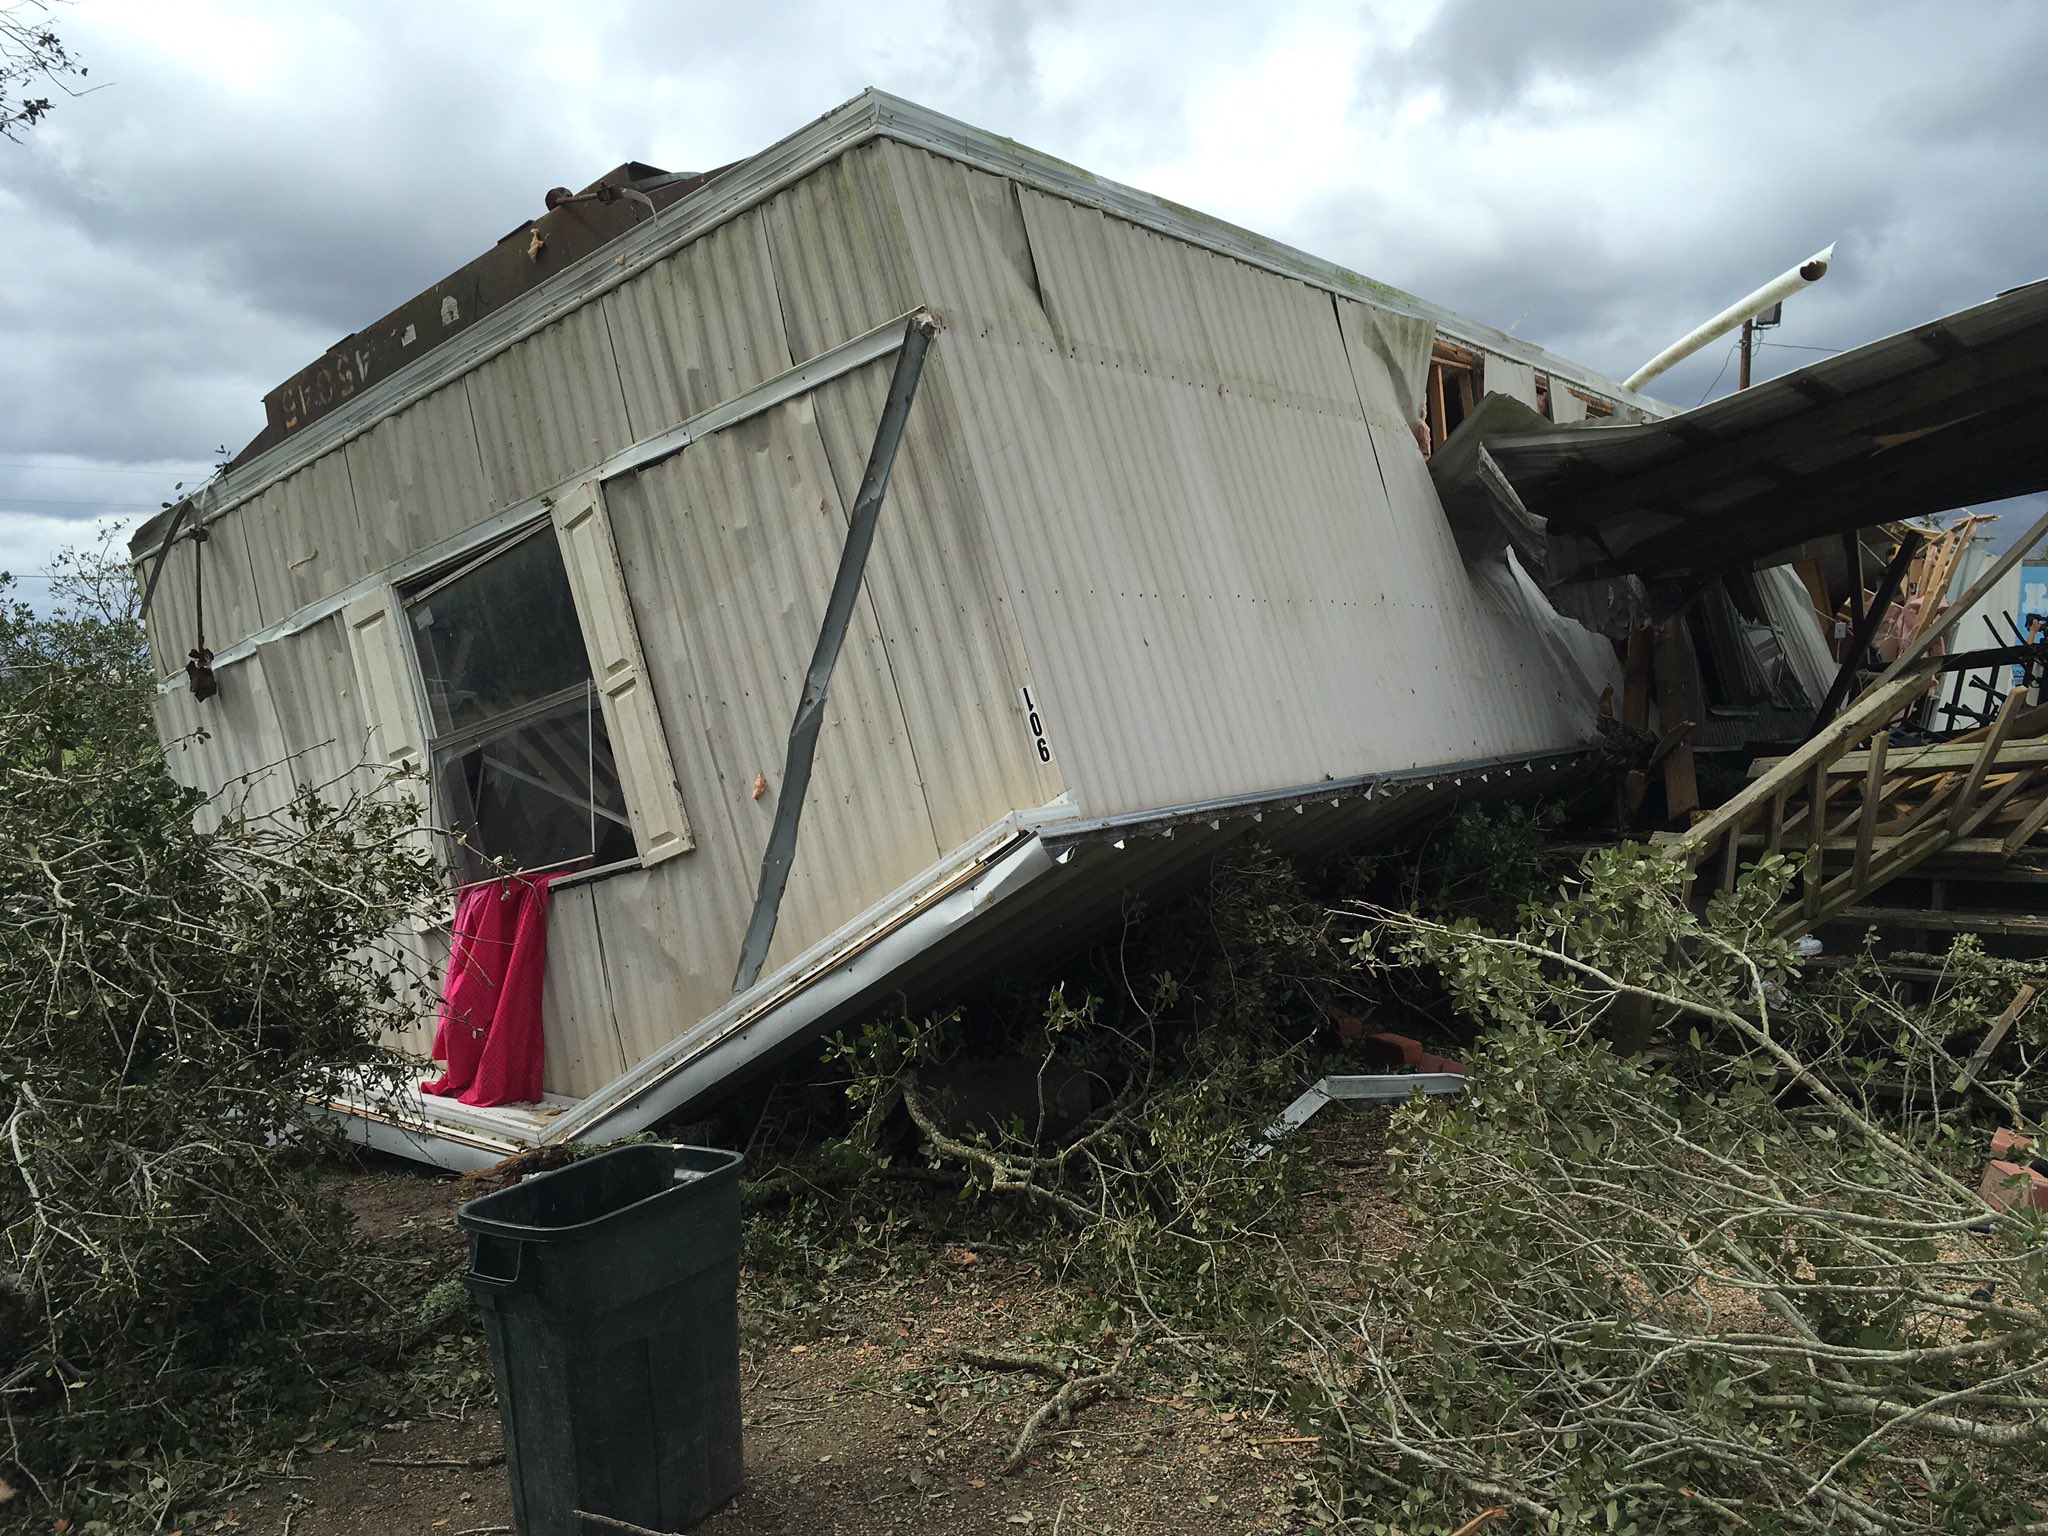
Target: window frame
[(437, 746)]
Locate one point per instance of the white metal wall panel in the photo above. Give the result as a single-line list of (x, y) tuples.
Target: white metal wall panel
[(1225, 580), (1505, 376), (549, 407), (419, 476), (698, 328), (578, 1034), (320, 709), (1565, 406), (753, 528), (306, 540), (239, 762), (842, 260), (673, 933), (936, 589), (421, 956), (232, 608), (1402, 344), (670, 945), (967, 238)]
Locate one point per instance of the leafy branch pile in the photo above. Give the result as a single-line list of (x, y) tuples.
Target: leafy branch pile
[(1741, 1279), (1742, 1283), (170, 1269)]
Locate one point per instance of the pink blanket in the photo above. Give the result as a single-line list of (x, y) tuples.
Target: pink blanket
[(489, 1028)]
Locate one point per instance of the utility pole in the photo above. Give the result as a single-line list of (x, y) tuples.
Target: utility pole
[(1748, 341)]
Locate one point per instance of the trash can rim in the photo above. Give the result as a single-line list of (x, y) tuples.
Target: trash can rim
[(727, 1169)]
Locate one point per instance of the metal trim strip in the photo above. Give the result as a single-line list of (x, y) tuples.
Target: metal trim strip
[(863, 349)]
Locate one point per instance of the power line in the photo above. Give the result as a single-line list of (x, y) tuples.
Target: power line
[(60, 501), (90, 469), (1718, 377)]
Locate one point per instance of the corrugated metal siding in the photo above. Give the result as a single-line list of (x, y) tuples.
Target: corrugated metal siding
[(699, 328), (936, 591), (421, 956), (232, 608), (230, 747), (1225, 580), (972, 255), (319, 712), (548, 407), (753, 527), (305, 539), (842, 258), (580, 1037), (419, 476), (1505, 376), (671, 941)]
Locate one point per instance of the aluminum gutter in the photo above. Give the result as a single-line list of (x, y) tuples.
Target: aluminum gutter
[(871, 115)]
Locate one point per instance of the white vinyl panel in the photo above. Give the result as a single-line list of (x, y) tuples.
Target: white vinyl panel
[(391, 703), (654, 801), (549, 408), (419, 476), (698, 328), (579, 1036)]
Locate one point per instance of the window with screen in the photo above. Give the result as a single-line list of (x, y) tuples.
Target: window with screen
[(521, 759)]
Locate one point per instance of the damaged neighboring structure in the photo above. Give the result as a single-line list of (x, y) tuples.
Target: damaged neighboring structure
[(1105, 522)]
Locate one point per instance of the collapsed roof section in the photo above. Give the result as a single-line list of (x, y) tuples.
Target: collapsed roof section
[(1939, 416)]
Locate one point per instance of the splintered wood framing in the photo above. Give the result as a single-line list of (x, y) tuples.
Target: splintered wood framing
[(1863, 816), (1453, 389)]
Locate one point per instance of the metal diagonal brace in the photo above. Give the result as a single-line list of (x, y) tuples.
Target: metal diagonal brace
[(810, 709)]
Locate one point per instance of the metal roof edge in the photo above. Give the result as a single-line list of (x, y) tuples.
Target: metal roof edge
[(869, 115), (719, 201), (909, 123)]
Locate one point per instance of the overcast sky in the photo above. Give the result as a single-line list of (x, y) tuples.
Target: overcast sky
[(253, 181)]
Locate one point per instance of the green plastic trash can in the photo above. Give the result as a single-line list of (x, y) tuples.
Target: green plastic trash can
[(610, 1293)]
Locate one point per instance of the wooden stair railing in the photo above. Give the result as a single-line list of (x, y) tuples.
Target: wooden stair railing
[(1864, 817)]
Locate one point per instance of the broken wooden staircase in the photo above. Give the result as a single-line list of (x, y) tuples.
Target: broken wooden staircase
[(1864, 813)]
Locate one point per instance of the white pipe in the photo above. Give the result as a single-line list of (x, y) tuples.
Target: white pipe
[(1783, 286)]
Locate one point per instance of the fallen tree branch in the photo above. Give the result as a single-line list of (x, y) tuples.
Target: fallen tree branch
[(1077, 1392)]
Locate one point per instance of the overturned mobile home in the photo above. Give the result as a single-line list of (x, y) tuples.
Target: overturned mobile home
[(1109, 524)]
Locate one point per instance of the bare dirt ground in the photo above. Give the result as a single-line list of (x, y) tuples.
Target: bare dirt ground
[(866, 1415)]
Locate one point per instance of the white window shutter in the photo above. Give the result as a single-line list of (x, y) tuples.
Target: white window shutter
[(654, 802), (383, 663)]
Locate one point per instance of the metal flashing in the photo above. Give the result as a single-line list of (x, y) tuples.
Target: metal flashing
[(1059, 836)]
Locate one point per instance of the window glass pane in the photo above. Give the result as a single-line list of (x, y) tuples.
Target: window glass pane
[(541, 791), (500, 636)]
